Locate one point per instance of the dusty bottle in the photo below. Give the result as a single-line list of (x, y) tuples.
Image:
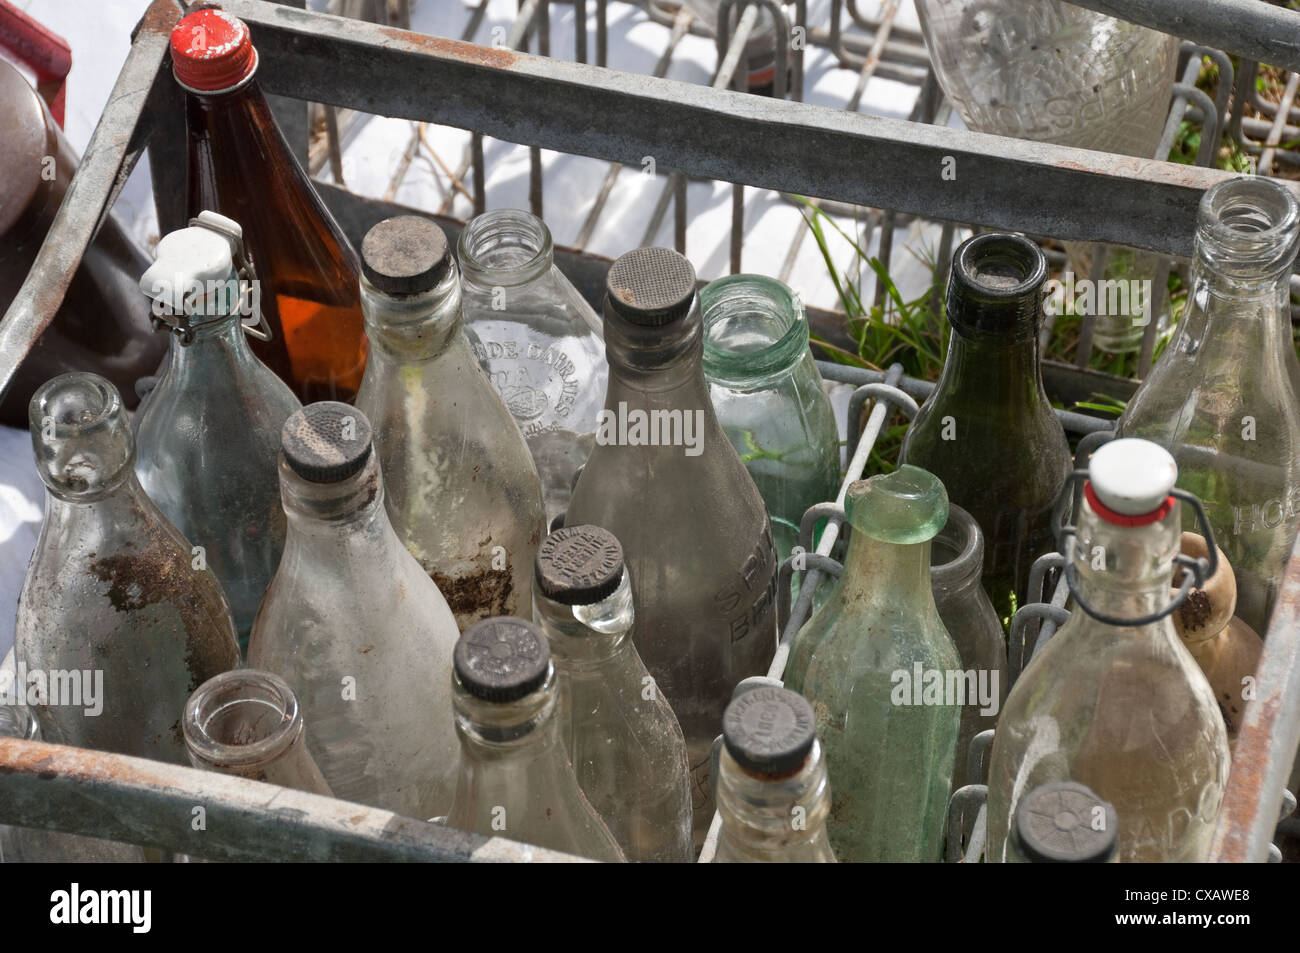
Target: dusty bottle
[(463, 493), (208, 433), (1064, 823), (773, 793), (665, 480), (624, 741), (769, 397), (113, 593), (515, 779), (1121, 708), (1222, 398), (353, 624), (956, 559), (987, 430), (239, 164), (884, 676), (537, 339), (30, 845)]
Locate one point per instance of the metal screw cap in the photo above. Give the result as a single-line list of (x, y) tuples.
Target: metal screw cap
[(650, 286), (502, 659), (579, 565), (326, 442), (405, 255)]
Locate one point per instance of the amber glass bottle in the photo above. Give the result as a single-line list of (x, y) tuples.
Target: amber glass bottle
[(240, 165)]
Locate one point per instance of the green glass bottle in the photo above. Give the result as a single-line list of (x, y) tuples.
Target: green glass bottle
[(881, 673), (988, 431)]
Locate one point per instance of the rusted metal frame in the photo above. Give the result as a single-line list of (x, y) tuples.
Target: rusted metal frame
[(114, 148), (138, 801)]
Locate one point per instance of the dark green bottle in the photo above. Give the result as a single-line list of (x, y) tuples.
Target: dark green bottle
[(988, 431)]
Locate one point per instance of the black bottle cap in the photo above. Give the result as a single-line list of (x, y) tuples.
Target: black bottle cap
[(405, 255), (650, 286), (996, 286), (1065, 823), (579, 565), (326, 442), (769, 731), (502, 659)]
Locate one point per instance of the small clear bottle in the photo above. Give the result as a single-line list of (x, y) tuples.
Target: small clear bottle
[(30, 845), (1121, 708), (514, 778), (1064, 823), (113, 593), (665, 480), (355, 626), (627, 748), (769, 397), (538, 341), (773, 792), (207, 435), (956, 562), (463, 493), (880, 670), (1223, 397)]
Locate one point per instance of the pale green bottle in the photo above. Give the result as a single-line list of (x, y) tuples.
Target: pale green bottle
[(884, 677)]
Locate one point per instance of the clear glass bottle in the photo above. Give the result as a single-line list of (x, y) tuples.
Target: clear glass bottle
[(1054, 72), (515, 779), (757, 70), (1064, 823), (665, 480), (1223, 397), (463, 493), (773, 792), (208, 433), (1123, 709), (113, 600), (627, 748), (247, 723), (538, 341), (956, 560), (30, 845), (988, 430), (769, 398), (883, 675), (355, 626), (239, 164)]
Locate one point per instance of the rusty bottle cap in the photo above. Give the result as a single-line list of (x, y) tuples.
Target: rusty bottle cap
[(326, 442), (502, 659)]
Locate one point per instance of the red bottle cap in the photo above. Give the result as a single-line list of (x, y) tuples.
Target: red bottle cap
[(212, 51)]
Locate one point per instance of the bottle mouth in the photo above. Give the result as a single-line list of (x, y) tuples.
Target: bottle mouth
[(905, 507), (80, 435), (1249, 226), (996, 286), (753, 326), (505, 247), (240, 719), (957, 550)]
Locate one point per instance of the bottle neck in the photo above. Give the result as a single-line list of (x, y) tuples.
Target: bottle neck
[(505, 249), (656, 359), (496, 731), (1001, 371), (586, 637), (353, 506), (1126, 571), (874, 568), (772, 815), (1230, 318), (219, 341), (413, 328)]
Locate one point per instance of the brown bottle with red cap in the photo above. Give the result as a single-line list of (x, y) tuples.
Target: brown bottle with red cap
[(240, 165)]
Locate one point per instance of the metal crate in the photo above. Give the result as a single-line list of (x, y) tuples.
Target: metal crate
[(835, 156)]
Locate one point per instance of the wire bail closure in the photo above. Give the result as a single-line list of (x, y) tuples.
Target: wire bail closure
[(245, 276), (1195, 571)]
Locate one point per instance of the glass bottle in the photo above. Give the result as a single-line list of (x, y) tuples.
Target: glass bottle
[(769, 398), (1222, 398), (538, 341), (1054, 72), (207, 435), (623, 738), (463, 493), (665, 480), (239, 164), (353, 624), (247, 723), (875, 663), (757, 70), (956, 559), (773, 793), (30, 845), (114, 603), (514, 778), (1122, 709), (1064, 823), (987, 430)]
